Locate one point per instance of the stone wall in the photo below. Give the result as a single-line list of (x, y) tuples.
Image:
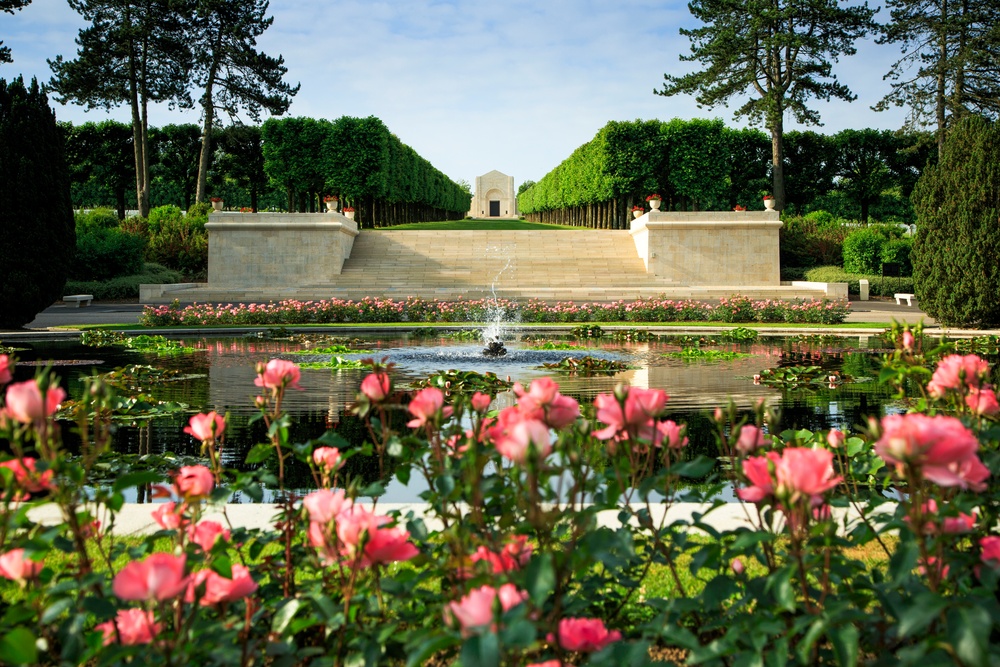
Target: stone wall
[(710, 248), (277, 249)]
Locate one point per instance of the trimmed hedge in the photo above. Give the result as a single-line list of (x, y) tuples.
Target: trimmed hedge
[(877, 286), (124, 287), (103, 253)]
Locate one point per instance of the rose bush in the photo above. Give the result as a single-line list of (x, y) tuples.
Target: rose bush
[(548, 535)]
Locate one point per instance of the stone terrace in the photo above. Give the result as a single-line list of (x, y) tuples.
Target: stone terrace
[(577, 265)]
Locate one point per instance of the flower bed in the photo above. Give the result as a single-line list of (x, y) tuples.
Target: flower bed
[(546, 538), (376, 310)]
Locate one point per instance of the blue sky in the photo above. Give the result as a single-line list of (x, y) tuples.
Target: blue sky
[(472, 85)]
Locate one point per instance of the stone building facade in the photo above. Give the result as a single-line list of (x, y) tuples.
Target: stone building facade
[(495, 197)]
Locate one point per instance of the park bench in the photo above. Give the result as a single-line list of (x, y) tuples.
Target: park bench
[(900, 296), (77, 299)]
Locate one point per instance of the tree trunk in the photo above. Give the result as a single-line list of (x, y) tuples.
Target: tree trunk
[(942, 65), (778, 161), (201, 190)]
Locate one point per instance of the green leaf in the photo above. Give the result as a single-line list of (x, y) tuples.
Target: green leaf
[(260, 452), (696, 468), (55, 610), (541, 579), (969, 634), (919, 613), (430, 647), (17, 647), (845, 643), (903, 560), (481, 651), (284, 615), (222, 565)]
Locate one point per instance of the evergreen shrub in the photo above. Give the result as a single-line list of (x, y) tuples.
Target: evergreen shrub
[(955, 252), (104, 218), (103, 253), (863, 248), (37, 234), (161, 215), (181, 243)]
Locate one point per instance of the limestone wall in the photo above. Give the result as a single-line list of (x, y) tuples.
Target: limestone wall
[(277, 249), (710, 248)]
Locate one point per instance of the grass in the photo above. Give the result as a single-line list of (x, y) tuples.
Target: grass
[(478, 225)]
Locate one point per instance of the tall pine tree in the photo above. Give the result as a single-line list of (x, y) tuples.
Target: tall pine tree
[(780, 52)]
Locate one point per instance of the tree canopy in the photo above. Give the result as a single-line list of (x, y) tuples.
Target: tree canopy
[(779, 52)]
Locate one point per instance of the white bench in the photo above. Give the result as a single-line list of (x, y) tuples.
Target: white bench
[(900, 297), (77, 299)]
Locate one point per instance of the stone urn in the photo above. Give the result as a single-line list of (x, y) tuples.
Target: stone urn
[(349, 215), (636, 213), (655, 204), (217, 204), (331, 205), (769, 203)]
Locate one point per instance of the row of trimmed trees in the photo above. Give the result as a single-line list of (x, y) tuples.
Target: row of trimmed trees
[(704, 165), (285, 164)]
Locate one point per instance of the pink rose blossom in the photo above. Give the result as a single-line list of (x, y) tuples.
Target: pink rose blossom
[(277, 374), (474, 611), (586, 635), (757, 470), (989, 551), (169, 515), (514, 555), (135, 626), (205, 534), (670, 434), (14, 565), (543, 402), (219, 589), (323, 505), (944, 451), (376, 386), (908, 341), (983, 402), (159, 577), (427, 405), (194, 481), (957, 372), (5, 368), (513, 435), (803, 472), (25, 404), (327, 459), (835, 438), (737, 566), (26, 475), (481, 402), (358, 528), (208, 426), (751, 439)]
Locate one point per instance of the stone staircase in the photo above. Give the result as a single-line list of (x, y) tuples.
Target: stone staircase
[(577, 265)]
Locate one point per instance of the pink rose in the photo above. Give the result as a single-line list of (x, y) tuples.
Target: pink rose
[(908, 341), (514, 555), (983, 402), (643, 405), (159, 577), (757, 470), (169, 515), (376, 386), (220, 589), (670, 434), (134, 626), (751, 439), (803, 472), (205, 534), (427, 405), (194, 482), (25, 403), (208, 426), (737, 566), (5, 369), (481, 402), (585, 634), (474, 611), (16, 567), (835, 438), (944, 451), (327, 459), (277, 374), (26, 475), (358, 528), (513, 434), (989, 551), (957, 372), (323, 505)]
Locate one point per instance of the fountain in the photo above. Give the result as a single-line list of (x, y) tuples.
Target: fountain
[(494, 349)]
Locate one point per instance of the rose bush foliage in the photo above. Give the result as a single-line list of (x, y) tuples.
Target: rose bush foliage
[(545, 523)]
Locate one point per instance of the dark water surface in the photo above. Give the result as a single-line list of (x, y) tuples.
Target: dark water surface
[(222, 371)]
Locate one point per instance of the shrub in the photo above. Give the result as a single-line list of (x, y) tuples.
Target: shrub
[(97, 218), (125, 287), (181, 244), (955, 251), (813, 240), (162, 215), (863, 249), (103, 253), (200, 210), (897, 251), (36, 215)]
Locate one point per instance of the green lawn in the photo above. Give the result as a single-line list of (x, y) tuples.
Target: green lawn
[(477, 224)]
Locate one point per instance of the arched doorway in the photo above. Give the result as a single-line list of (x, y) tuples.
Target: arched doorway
[(493, 197)]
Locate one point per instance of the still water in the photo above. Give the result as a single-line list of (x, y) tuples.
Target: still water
[(219, 375)]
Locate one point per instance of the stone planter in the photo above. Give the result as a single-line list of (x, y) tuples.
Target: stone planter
[(331, 206), (349, 215), (217, 205), (769, 204), (636, 214), (655, 204)]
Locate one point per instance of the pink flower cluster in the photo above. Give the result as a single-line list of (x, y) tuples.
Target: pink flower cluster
[(938, 449), (524, 427), (795, 475), (476, 610), (965, 376), (349, 533), (635, 418)]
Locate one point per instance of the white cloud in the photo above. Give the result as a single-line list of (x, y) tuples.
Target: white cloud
[(471, 85)]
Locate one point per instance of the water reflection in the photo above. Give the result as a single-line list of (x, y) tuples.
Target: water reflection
[(225, 367)]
